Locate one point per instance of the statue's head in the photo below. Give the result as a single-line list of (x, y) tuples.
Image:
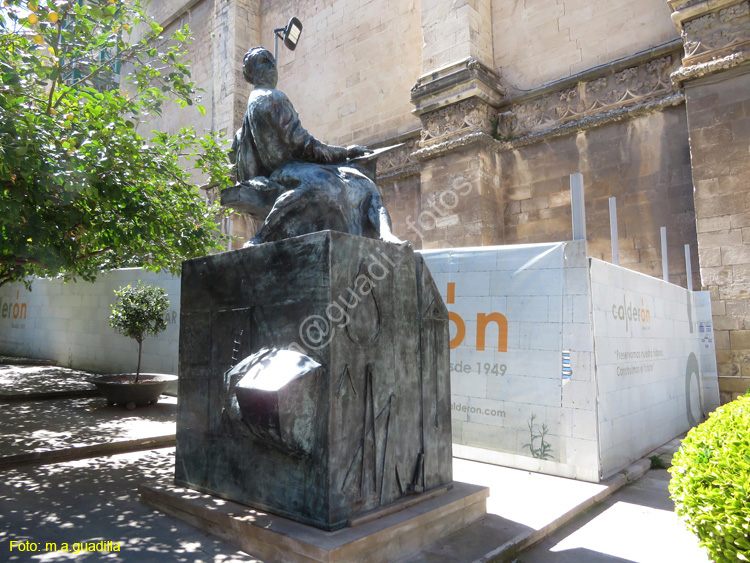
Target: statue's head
[(259, 67)]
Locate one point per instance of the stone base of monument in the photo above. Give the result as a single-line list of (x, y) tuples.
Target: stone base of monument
[(314, 378), (384, 535)]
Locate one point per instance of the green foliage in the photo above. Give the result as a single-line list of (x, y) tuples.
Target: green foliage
[(138, 312), (657, 462), (81, 189), (710, 482)]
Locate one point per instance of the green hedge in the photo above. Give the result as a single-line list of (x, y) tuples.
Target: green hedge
[(710, 483)]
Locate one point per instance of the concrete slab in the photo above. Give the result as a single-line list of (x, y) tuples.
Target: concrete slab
[(522, 506), (516, 495), (21, 382), (635, 525), (279, 539), (45, 431)]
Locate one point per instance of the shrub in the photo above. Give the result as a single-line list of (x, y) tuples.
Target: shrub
[(139, 311), (710, 483)]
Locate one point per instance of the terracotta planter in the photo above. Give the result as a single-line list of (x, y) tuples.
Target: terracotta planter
[(121, 389)]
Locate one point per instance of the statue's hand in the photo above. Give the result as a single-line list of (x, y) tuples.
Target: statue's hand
[(354, 151)]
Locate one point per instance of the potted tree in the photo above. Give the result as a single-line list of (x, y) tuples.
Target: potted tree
[(138, 311)]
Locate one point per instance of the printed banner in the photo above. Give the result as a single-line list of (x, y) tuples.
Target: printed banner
[(650, 339), (506, 317)]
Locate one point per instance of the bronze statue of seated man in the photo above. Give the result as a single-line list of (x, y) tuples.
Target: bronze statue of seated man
[(313, 186)]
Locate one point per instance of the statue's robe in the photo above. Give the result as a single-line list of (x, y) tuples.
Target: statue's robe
[(315, 188)]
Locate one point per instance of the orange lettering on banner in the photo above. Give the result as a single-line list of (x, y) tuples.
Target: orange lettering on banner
[(482, 321), (460, 329), (16, 311), (502, 330), (451, 293)]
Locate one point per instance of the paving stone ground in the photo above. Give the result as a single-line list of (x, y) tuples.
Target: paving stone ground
[(93, 497), (96, 499), (43, 427), (637, 523), (21, 381)]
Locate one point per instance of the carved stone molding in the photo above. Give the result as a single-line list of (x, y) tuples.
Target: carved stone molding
[(611, 89), (572, 127), (709, 35), (456, 143), (454, 102), (684, 74), (462, 80), (715, 33), (456, 120), (399, 163)]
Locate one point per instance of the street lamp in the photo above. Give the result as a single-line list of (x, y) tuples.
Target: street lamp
[(289, 35)]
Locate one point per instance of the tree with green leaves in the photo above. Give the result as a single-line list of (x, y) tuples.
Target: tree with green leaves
[(138, 312), (82, 188)]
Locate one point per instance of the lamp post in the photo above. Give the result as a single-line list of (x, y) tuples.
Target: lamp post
[(289, 35)]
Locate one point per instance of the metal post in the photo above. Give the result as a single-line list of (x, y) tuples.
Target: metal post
[(578, 207), (613, 231), (276, 43), (229, 232), (664, 259), (688, 268)]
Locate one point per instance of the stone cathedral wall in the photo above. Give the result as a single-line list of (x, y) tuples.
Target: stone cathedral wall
[(538, 41), (354, 67), (497, 102)]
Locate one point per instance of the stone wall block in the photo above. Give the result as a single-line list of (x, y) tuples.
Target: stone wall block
[(721, 239), (740, 340), (720, 276), (726, 370), (721, 339), (740, 220), (736, 254), (734, 291), (714, 224), (739, 309), (719, 133), (534, 204), (709, 258), (715, 206), (629, 256), (560, 199)]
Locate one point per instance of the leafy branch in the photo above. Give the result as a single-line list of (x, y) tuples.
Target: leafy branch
[(81, 190)]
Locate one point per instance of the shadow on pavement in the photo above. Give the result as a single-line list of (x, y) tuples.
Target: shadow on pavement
[(22, 382), (470, 543), (95, 500), (636, 525), (43, 426), (579, 555)]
